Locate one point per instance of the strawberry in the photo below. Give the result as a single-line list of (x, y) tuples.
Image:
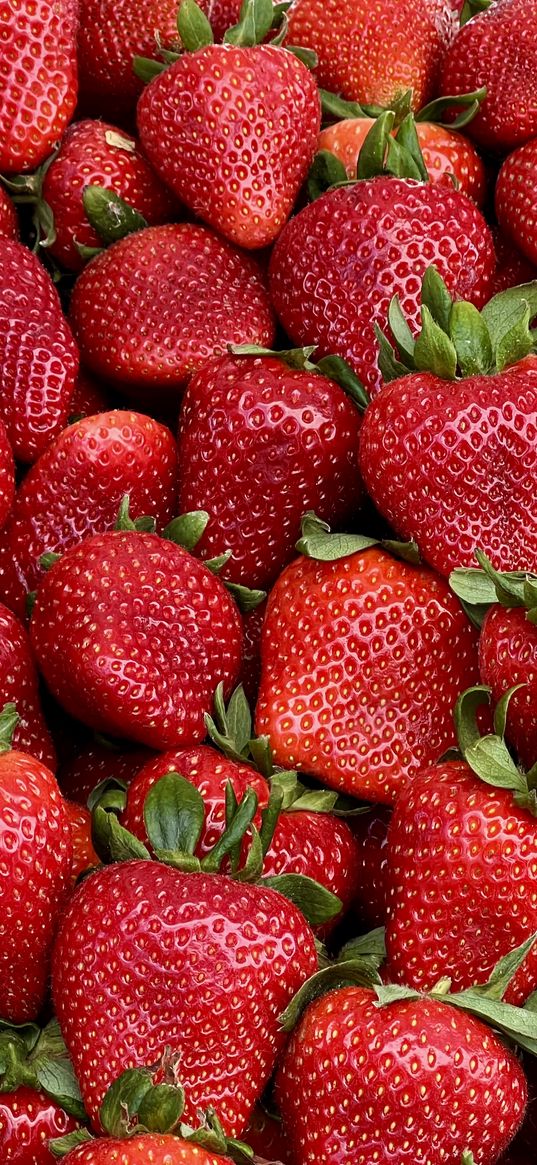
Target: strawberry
[(266, 1137), (252, 622), (99, 761), (38, 355), (29, 1119), (9, 226), (246, 194), (371, 60), (471, 418), (362, 659), (36, 861), (38, 79), (153, 688), (158, 304), (498, 49), (462, 863), (75, 488), (94, 153), (232, 957), (84, 855), (394, 228), (157, 1148), (39, 1096), (7, 475), (516, 191), (244, 421), (19, 685), (90, 396), (512, 268), (371, 833)]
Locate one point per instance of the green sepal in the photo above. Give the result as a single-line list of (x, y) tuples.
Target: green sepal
[(333, 367), (112, 841), (146, 69), (215, 565), (246, 598), (187, 529), (174, 815), (318, 542), (255, 21), (352, 973), (488, 756), (161, 1108), (317, 904), (233, 834), (502, 313), (469, 102), (371, 159), (473, 8), (298, 358), (399, 155), (467, 1157), (390, 367), (394, 993), (231, 727), (87, 253), (366, 946), (109, 215), (433, 350), (408, 147), (123, 1099), (110, 793), (39, 1058), (269, 817), (480, 589), (261, 755), (470, 337), (435, 296), (193, 27), (337, 108), (326, 171), (9, 718), (48, 559), (401, 333), (124, 521), (308, 57), (517, 343), (253, 867), (61, 1146), (505, 970), (211, 1136), (27, 190)]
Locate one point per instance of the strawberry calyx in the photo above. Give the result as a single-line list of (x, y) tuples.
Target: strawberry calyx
[(333, 367), (38, 1058), (488, 756), (110, 216), (27, 190), (319, 542), (456, 340), (472, 8), (480, 588), (469, 103), (336, 108), (384, 153), (9, 718), (357, 965)]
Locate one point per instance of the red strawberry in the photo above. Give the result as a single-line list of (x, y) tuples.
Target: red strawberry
[(252, 622), (244, 422), (89, 397), (160, 303), (87, 625), (415, 1080), (512, 268), (38, 79), (266, 1137), (38, 356), (371, 833), (97, 762), (507, 657), (363, 658), (320, 847), (19, 685), (75, 488), (9, 225), (498, 49), (516, 192), (157, 1148), (246, 194), (94, 153), (7, 475), (371, 60), (36, 850), (175, 961), (28, 1120), (84, 855)]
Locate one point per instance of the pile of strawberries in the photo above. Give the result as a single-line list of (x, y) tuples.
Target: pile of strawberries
[(268, 582)]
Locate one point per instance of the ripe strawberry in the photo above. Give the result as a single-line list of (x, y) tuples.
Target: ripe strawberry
[(516, 191), (28, 1120), (447, 154), (84, 855), (7, 475), (231, 959), (371, 833), (94, 153), (19, 685), (245, 194), (96, 762), (414, 1080), (244, 422), (38, 79), (9, 226), (86, 630), (371, 60), (320, 847), (363, 658), (89, 397), (512, 268), (38, 355), (252, 622), (158, 304), (36, 861), (507, 657), (75, 488), (498, 49), (157, 1148)]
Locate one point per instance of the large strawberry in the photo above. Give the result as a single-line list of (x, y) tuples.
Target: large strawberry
[(245, 193), (75, 488), (363, 657), (38, 79), (259, 444), (19, 685), (159, 304), (338, 263), (35, 844), (38, 356), (7, 475), (447, 449), (515, 195), (133, 634), (498, 49)]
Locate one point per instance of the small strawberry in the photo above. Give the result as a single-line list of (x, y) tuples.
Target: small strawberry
[(29, 1119), (498, 49), (371, 833), (244, 422), (38, 79), (84, 855), (7, 475), (515, 195), (38, 356), (159, 304), (19, 686), (363, 657), (94, 153), (9, 226), (512, 268), (36, 852)]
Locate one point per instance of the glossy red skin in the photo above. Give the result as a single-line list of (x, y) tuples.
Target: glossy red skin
[(84, 855), (19, 685), (75, 488), (516, 194), (38, 355), (259, 445), (209, 772), (9, 223), (512, 268), (232, 958), (321, 847), (498, 49), (159, 304), (267, 1138), (508, 656), (452, 465), (245, 195), (446, 153), (337, 264), (370, 54), (28, 1120), (133, 635), (363, 659), (38, 79), (36, 852), (361, 1063), (250, 673), (462, 877), (87, 158), (12, 589), (158, 1148), (81, 773), (7, 475), (371, 833)]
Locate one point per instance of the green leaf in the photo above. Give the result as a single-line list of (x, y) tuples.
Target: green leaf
[(501, 709), (308, 57), (408, 142), (337, 108), (161, 1108), (473, 8), (467, 1157), (111, 839), (401, 332), (390, 367), (61, 1146), (517, 1023), (246, 598), (237, 719), (509, 587), (505, 970), (434, 351), (465, 715), (435, 296), (318, 542), (325, 171), (57, 1078), (292, 357), (470, 103), (475, 591), (491, 761), (370, 946), (314, 801), (233, 834), (174, 815), (394, 993), (502, 313), (371, 159), (146, 69), (255, 22), (187, 529), (318, 905), (193, 27), (358, 973), (110, 216), (269, 817), (123, 1100), (517, 342), (253, 866), (110, 793), (470, 335), (9, 718), (261, 755), (337, 369)]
